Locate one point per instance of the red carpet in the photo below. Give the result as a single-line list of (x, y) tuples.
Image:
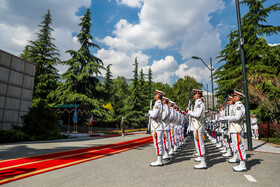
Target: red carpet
[(113, 135), (15, 169)]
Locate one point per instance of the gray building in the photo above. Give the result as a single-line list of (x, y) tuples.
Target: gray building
[(208, 101), (16, 88)]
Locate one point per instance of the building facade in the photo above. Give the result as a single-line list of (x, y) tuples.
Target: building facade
[(16, 89)]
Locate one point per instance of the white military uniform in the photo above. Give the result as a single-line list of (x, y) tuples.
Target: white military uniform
[(166, 126), (197, 113), (157, 126), (255, 128), (171, 125), (236, 133)]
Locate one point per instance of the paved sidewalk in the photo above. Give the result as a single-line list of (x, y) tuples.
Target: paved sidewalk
[(262, 146)]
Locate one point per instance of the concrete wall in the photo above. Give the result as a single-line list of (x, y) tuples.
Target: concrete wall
[(16, 89)]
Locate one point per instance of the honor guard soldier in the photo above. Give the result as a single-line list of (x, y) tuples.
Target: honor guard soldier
[(171, 125), (166, 126), (236, 130), (227, 139), (157, 127), (198, 126), (175, 120), (254, 127)]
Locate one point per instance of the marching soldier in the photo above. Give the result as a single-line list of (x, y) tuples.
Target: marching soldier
[(198, 126), (166, 125), (236, 130), (254, 127), (157, 127)]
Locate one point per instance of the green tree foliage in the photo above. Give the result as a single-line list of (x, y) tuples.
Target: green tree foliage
[(262, 62), (45, 55), (134, 112), (80, 85), (179, 92), (41, 123), (121, 92), (108, 83)]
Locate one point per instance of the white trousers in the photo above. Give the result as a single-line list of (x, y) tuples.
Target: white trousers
[(199, 142), (166, 140), (238, 143), (255, 132), (158, 141)]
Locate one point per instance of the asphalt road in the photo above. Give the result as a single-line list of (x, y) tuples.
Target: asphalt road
[(131, 168)]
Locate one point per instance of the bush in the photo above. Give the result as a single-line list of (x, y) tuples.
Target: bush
[(41, 123), (272, 140), (10, 136), (269, 130), (135, 125)]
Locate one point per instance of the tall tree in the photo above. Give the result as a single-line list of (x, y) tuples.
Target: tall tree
[(108, 82), (262, 62), (80, 85), (134, 108), (45, 55)]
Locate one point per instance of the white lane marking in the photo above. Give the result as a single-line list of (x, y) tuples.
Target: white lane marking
[(250, 178)]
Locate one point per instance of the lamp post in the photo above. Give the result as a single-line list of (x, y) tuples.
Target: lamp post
[(206, 102), (211, 69), (245, 86)]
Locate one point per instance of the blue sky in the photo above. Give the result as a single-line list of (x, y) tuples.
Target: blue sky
[(162, 34)]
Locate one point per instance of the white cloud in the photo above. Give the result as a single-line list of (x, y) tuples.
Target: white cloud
[(19, 21), (164, 69), (131, 3), (122, 63), (165, 23), (200, 74)]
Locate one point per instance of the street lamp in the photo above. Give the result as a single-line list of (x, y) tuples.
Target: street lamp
[(211, 69), (207, 101), (245, 86)]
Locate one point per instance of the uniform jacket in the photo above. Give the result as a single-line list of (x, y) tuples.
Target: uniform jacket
[(254, 123), (156, 114), (238, 111), (198, 111), (165, 117)]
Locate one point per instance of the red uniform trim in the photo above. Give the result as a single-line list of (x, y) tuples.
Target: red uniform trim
[(164, 141), (171, 142), (238, 145), (157, 144), (179, 136), (198, 144)]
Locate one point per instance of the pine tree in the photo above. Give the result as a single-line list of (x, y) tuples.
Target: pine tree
[(45, 55), (262, 62), (133, 104), (80, 85), (108, 82)]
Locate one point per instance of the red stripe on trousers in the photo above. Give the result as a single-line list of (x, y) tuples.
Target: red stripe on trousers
[(238, 145), (170, 138), (257, 133), (229, 145), (157, 145), (179, 136), (174, 136), (198, 143), (164, 141)]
